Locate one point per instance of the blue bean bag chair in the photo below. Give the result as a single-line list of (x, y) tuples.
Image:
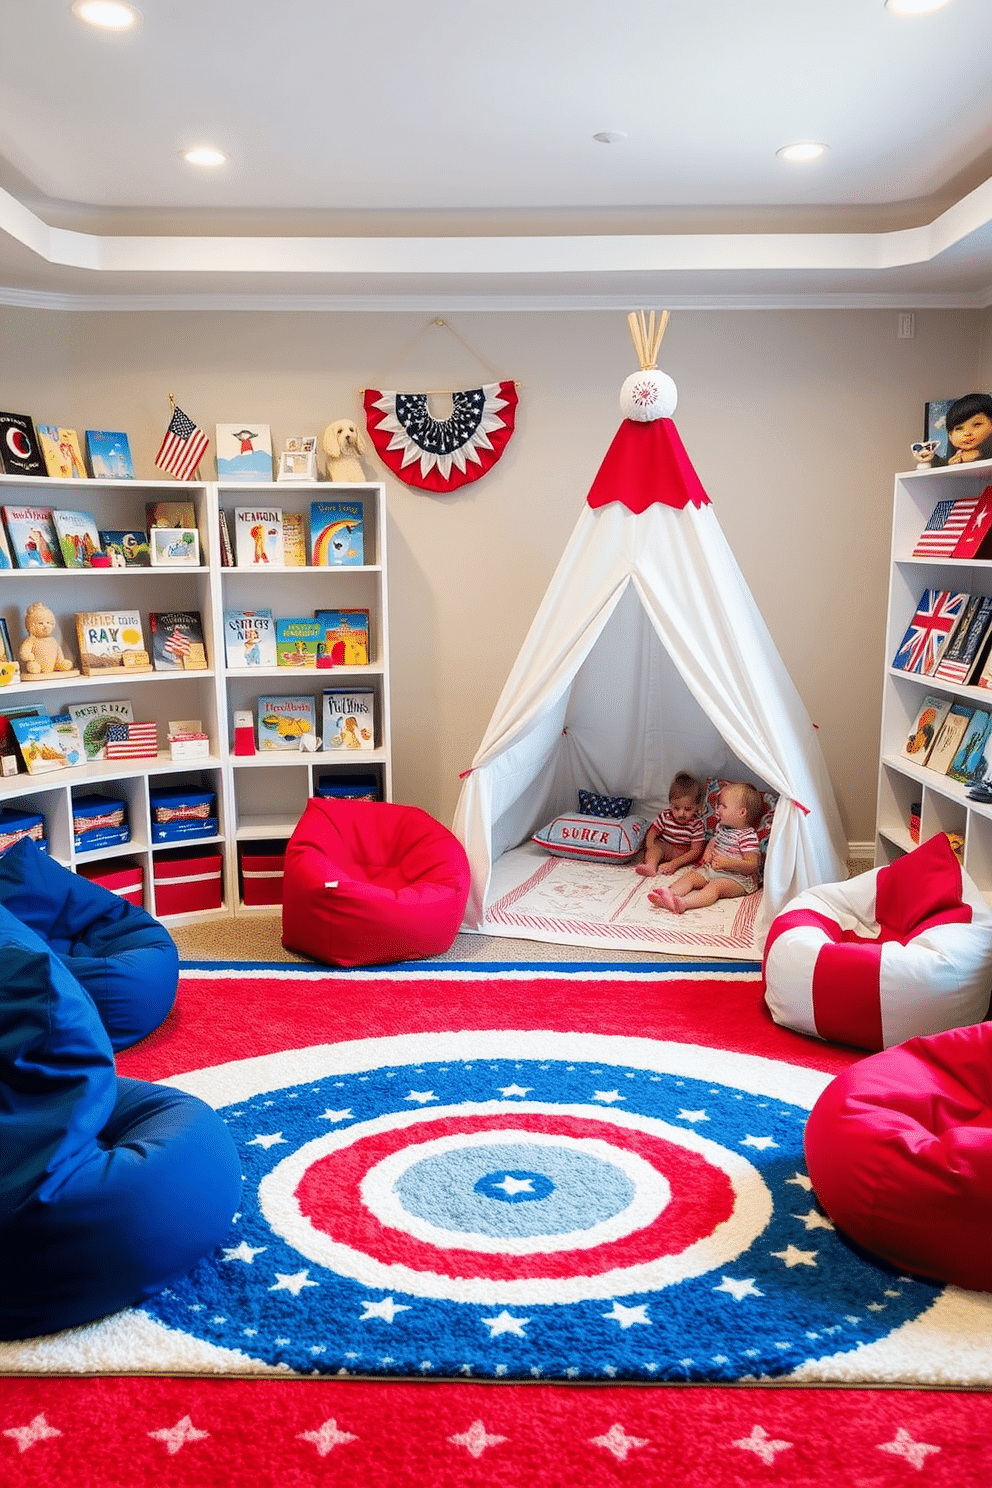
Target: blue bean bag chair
[(126, 959), (109, 1188)]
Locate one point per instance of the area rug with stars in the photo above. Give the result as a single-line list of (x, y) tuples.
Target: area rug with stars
[(579, 1173)]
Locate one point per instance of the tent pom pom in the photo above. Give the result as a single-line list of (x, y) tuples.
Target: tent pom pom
[(648, 395)]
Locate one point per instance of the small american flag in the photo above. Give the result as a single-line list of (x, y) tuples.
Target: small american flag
[(183, 447), (936, 616), (940, 536), (132, 741), (178, 645)]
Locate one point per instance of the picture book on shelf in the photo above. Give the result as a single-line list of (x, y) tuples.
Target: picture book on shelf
[(20, 452), (948, 521), (109, 453), (258, 536), (294, 540), (174, 547), (285, 722), (967, 640), (349, 719), (32, 536), (249, 639), (925, 727), (226, 548), (93, 720), (949, 736), (126, 549), (6, 557), (297, 641), (969, 763), (78, 537), (111, 641), (976, 539), (337, 534), (39, 743), (170, 514), (61, 453), (345, 640), (244, 452), (70, 739), (922, 646), (177, 641)]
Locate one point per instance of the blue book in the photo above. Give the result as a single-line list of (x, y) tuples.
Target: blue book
[(337, 534)]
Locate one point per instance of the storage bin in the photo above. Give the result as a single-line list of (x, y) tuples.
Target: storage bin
[(261, 872), (181, 813), (349, 787), (124, 879), (99, 822), (17, 824), (188, 882)]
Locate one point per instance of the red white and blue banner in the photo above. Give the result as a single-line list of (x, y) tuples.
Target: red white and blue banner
[(441, 454)]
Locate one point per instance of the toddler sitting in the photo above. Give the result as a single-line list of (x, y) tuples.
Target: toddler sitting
[(676, 837), (730, 866)]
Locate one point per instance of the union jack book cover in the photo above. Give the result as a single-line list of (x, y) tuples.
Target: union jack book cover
[(967, 642), (947, 522), (177, 641), (930, 629)]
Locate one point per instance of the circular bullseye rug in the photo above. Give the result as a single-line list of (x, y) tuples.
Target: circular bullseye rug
[(529, 1205)]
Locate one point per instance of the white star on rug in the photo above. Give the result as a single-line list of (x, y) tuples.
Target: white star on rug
[(507, 1090), (266, 1141), (330, 1115), (294, 1283), (244, 1252), (27, 1436), (762, 1143), (512, 1185), (793, 1257), (386, 1309), (692, 1116), (177, 1436), (628, 1316), (739, 1289), (814, 1220), (608, 1096), (801, 1181), (327, 1437), (421, 1096), (618, 1442), (504, 1323), (903, 1445), (762, 1445), (476, 1439)]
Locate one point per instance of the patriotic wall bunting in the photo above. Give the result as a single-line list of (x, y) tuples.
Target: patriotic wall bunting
[(441, 454)]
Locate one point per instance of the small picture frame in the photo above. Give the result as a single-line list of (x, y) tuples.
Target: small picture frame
[(298, 460), (174, 547)]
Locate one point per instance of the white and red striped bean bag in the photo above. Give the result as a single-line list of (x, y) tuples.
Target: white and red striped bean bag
[(898, 952)]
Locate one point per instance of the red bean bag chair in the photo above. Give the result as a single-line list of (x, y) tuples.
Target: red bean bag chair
[(899, 1149), (898, 952), (368, 882)]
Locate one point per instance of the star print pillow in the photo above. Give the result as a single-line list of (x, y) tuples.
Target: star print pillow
[(591, 804)]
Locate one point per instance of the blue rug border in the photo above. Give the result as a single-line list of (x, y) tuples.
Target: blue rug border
[(492, 968)]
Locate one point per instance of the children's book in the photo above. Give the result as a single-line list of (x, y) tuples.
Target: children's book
[(20, 452), (111, 641), (976, 539), (6, 557), (958, 659), (294, 540), (177, 641), (78, 537), (298, 639), (60, 450), (930, 629), (70, 739), (249, 639), (32, 536), (345, 640), (39, 743), (10, 670), (949, 736), (226, 548), (174, 547), (93, 720), (284, 723), (925, 727), (258, 536), (244, 452), (948, 521), (969, 763), (337, 534), (109, 454), (349, 719), (170, 514), (126, 549)]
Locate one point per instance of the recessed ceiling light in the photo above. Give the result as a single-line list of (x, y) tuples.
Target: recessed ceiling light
[(914, 7), (204, 155), (111, 14), (801, 150), (610, 136)]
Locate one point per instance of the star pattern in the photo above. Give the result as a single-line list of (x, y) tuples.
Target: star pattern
[(814, 1220), (176, 1437), (762, 1445), (504, 1323), (267, 1141), (386, 1310), (244, 1252), (421, 1096), (506, 1091), (511, 1185), (692, 1116), (761, 1143), (608, 1097), (327, 1437), (628, 1316), (903, 1445), (739, 1289), (476, 1439), (618, 1442), (293, 1283), (793, 1257), (36, 1431), (330, 1115)]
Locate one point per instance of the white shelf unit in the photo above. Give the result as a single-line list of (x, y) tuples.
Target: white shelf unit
[(944, 803), (259, 797)]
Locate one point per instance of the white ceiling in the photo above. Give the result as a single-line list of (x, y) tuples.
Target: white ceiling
[(440, 154)]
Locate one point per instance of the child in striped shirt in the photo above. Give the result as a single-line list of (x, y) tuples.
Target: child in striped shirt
[(731, 864), (676, 837)]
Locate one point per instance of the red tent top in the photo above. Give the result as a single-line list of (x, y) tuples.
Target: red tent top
[(644, 464)]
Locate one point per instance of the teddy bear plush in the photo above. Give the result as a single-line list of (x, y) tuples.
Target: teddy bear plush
[(41, 653)]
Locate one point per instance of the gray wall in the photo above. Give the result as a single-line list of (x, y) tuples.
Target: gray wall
[(795, 421)]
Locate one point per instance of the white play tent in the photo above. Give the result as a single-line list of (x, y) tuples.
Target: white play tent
[(648, 655)]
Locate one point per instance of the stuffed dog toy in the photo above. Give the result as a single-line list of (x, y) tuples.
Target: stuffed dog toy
[(343, 443)]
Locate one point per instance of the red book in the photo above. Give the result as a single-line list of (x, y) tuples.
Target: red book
[(978, 533)]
